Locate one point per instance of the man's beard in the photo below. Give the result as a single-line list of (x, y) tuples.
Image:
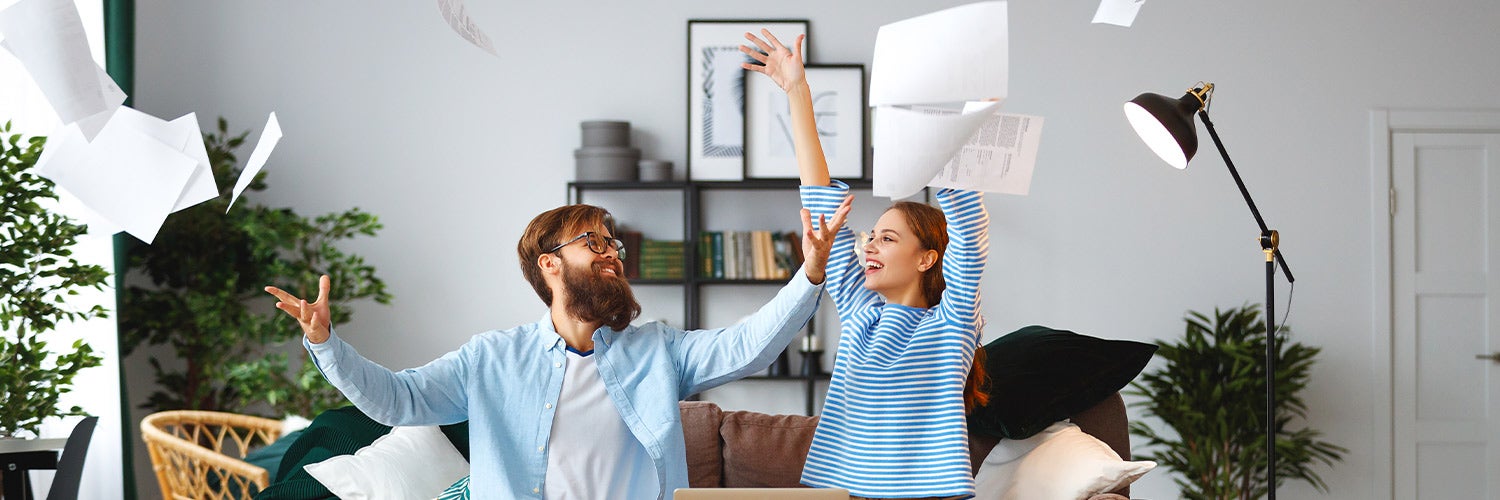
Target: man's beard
[(592, 296)]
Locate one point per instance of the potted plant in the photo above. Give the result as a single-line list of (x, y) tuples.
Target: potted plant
[(1211, 395), (37, 274), (231, 350)]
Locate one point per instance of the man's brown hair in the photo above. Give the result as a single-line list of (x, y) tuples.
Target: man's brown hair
[(551, 228)]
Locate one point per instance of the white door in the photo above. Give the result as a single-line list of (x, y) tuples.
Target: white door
[(1445, 279)]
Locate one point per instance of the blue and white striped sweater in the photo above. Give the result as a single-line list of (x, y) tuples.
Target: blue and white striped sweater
[(893, 424)]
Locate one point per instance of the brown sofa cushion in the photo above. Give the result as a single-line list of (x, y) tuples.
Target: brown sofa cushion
[(765, 451), (700, 432)]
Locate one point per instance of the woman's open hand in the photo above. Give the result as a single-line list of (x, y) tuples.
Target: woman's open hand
[(782, 64)]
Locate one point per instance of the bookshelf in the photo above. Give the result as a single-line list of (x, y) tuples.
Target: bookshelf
[(693, 283)]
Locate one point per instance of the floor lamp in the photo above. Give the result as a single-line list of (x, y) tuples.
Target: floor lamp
[(1166, 125)]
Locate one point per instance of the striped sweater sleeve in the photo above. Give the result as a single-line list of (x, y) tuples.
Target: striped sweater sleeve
[(968, 251), (845, 279)]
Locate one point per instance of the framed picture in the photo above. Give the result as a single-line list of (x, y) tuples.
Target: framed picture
[(716, 105), (838, 95)]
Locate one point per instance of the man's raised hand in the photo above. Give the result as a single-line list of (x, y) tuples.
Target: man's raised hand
[(312, 317)]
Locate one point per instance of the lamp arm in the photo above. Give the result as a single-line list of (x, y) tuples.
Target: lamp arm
[(1264, 231)]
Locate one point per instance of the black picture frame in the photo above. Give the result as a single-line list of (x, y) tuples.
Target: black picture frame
[(842, 123), (715, 120)]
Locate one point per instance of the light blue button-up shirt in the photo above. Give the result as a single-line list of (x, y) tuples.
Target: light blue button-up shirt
[(506, 384)]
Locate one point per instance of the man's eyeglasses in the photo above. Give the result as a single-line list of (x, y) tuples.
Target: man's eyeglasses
[(597, 243)]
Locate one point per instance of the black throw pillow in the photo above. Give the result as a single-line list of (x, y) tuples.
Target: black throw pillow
[(1039, 376)]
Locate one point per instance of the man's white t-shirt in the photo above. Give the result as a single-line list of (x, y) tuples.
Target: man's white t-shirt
[(593, 454)]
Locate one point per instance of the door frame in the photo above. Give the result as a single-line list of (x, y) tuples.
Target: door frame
[(1384, 123)]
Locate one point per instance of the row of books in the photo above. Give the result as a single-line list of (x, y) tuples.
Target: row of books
[(652, 259), (745, 255), (728, 255)]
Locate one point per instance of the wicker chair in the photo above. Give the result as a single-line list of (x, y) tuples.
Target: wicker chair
[(199, 454)]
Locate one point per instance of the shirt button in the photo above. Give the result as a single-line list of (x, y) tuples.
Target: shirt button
[(536, 490), (540, 448), (557, 365), (549, 406)]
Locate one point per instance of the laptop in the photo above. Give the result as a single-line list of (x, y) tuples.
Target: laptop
[(760, 494)]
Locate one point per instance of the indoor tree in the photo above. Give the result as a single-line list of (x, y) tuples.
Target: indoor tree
[(231, 350), (1211, 395), (37, 276)]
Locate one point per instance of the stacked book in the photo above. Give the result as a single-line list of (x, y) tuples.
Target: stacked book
[(749, 255)]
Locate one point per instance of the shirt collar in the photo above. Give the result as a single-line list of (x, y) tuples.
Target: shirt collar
[(548, 339)]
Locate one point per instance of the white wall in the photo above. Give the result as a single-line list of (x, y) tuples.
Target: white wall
[(386, 109)]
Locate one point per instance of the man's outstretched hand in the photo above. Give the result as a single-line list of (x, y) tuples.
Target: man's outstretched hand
[(313, 317)]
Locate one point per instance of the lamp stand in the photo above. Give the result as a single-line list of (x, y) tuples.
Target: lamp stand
[(1269, 242)]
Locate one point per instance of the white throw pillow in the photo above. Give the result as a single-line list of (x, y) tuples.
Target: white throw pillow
[(1059, 463), (410, 462), (293, 423)]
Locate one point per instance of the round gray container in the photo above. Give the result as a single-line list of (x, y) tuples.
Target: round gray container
[(655, 171), (605, 133), (606, 164)]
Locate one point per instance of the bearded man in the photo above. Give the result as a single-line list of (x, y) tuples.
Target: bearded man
[(580, 404)]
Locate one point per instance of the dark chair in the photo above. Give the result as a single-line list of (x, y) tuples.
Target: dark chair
[(70, 465)]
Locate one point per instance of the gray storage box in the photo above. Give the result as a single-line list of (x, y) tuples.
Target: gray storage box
[(655, 171), (605, 133), (606, 164)]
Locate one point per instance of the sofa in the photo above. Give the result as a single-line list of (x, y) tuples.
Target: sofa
[(725, 449), (742, 449)]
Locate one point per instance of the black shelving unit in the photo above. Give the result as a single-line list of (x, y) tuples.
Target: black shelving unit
[(692, 225)]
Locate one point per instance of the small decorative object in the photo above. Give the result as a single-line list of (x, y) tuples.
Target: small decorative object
[(655, 171), (606, 155), (716, 94), (838, 95), (812, 356)]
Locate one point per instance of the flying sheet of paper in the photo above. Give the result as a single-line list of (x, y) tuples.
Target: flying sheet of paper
[(267, 142), (1118, 12), (125, 175), (200, 186), (949, 56), (998, 158), (457, 16), (47, 37), (66, 147), (924, 70), (912, 144)]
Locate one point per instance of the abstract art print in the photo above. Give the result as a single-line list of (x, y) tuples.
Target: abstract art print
[(716, 98)]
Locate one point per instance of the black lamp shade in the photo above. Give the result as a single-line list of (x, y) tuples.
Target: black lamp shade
[(1166, 125)]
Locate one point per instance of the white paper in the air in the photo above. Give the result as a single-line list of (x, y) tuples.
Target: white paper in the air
[(126, 175), (936, 85), (999, 158), (47, 37), (457, 16), (949, 56), (1118, 12), (263, 147), (912, 144), (200, 186)]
